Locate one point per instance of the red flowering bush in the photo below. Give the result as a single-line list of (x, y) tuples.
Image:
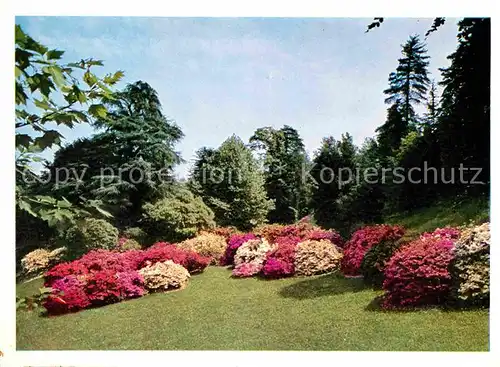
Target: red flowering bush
[(363, 240), (246, 270), (320, 234), (102, 287), (417, 274), (68, 295), (63, 270), (97, 260), (280, 262), (235, 241)]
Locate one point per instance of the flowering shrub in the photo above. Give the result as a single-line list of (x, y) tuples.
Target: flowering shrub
[(470, 269), (208, 244), (417, 274), (280, 262), (63, 270), (269, 231), (40, 260), (131, 284), (316, 257), (320, 234), (102, 287), (447, 232), (246, 270), (164, 275), (363, 240), (225, 232), (233, 243), (252, 251), (162, 251), (303, 230), (68, 295), (373, 264), (126, 244)]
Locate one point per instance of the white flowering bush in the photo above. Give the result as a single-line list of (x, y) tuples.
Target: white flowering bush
[(252, 251), (316, 257), (470, 269), (164, 276), (40, 260)]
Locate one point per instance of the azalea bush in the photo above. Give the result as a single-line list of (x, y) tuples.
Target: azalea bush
[(316, 257), (40, 260), (417, 274), (281, 261), (164, 275), (362, 241), (68, 295), (252, 251), (447, 232), (162, 251), (225, 232), (206, 244), (246, 270), (234, 242), (470, 268)]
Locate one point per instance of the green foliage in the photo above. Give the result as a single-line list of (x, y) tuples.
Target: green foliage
[(42, 81), (33, 302), (229, 181), (130, 244), (283, 158), (89, 234), (330, 184), (372, 267), (136, 233), (127, 163), (177, 217)]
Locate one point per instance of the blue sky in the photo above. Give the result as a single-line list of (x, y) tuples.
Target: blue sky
[(220, 76)]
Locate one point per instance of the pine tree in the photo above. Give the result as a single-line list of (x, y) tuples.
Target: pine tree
[(283, 160), (231, 184), (432, 113), (464, 124), (390, 134), (408, 85)]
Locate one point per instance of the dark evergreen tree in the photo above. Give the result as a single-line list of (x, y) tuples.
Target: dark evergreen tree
[(390, 134), (283, 158), (463, 130), (408, 85)]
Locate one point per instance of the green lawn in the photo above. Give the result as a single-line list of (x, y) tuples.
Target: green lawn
[(216, 312)]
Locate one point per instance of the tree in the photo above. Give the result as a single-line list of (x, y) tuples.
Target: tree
[(408, 85), (463, 129), (230, 183), (284, 159), (42, 82), (390, 134), (436, 23), (432, 114), (127, 162), (333, 173)]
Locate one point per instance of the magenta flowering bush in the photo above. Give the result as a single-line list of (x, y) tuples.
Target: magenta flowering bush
[(234, 242), (131, 284), (246, 270)]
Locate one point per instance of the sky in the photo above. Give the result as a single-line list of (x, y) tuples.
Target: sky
[(221, 76)]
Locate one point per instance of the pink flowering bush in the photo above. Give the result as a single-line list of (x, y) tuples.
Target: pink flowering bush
[(363, 240), (234, 242), (68, 295), (280, 262), (417, 274), (246, 270), (131, 284), (447, 232)]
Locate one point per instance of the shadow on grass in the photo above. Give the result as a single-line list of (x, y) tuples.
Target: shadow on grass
[(324, 285), (376, 306)]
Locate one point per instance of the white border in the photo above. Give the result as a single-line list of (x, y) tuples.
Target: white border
[(310, 8)]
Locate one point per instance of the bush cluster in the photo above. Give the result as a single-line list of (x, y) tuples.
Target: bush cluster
[(417, 274), (234, 242), (362, 241), (206, 244), (316, 257), (163, 276), (102, 277), (470, 268), (40, 260), (252, 251), (281, 261)]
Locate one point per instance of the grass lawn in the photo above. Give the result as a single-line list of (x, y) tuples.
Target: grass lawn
[(216, 312)]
